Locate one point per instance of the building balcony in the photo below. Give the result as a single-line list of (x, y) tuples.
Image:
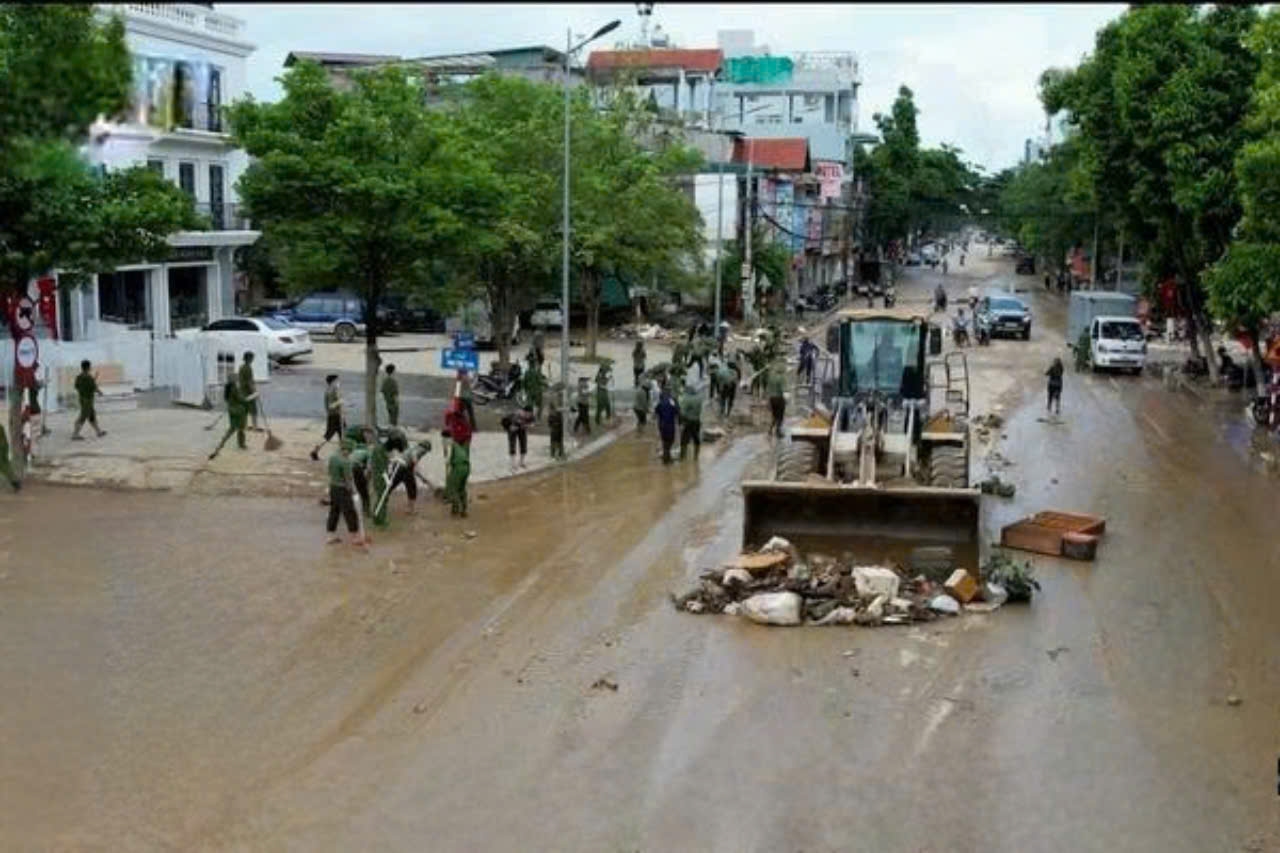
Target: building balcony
[(197, 17), (203, 116)]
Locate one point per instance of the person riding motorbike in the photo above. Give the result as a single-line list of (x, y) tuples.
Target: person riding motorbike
[(960, 329)]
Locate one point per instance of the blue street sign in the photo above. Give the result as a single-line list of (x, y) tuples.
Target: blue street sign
[(460, 359), (464, 340)]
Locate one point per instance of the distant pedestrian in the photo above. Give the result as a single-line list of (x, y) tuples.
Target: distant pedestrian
[(537, 348), (86, 390), (555, 425), (464, 395), (638, 357), (808, 356), (237, 414), (1055, 386), (727, 378), (775, 390), (666, 413), (457, 431), (690, 422), (249, 389), (584, 407), (640, 405), (333, 421), (391, 395), (516, 425), (604, 405), (341, 489), (698, 353), (722, 336)]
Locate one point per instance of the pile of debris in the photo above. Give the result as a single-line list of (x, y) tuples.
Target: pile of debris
[(650, 332), (776, 586)]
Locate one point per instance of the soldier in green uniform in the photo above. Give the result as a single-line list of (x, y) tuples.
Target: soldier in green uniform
[(690, 421), (555, 425), (534, 384), (360, 471), (727, 380), (237, 414), (391, 395), (641, 404), (340, 491), (249, 389), (379, 461), (584, 407), (332, 414), (637, 360), (86, 389), (604, 406)]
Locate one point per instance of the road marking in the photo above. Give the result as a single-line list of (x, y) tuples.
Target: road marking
[(1164, 436)]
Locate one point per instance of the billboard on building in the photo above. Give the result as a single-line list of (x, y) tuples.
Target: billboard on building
[(830, 176)]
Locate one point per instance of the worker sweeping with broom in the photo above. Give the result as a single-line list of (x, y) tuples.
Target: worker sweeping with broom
[(237, 414)]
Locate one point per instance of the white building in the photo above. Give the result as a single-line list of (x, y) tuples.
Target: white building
[(188, 62)]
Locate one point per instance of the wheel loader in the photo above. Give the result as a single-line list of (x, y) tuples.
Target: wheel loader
[(886, 454)]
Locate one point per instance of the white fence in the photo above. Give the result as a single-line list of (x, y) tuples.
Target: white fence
[(188, 366)]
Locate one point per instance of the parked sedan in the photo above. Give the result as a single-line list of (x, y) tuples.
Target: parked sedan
[(284, 342), (546, 315)]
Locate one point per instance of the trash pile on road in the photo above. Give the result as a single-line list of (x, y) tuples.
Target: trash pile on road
[(648, 332), (777, 586)]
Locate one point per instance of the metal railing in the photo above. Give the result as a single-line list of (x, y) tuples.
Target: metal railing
[(224, 217), (203, 116)]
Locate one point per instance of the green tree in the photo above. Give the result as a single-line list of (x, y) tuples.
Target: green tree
[(629, 216), (1042, 207), (515, 126), (1159, 108), (60, 69), (1244, 287), (770, 261), (362, 189)]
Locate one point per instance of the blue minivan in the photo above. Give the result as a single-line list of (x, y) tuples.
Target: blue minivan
[(337, 314)]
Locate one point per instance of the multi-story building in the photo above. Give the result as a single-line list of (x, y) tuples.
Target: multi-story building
[(188, 62), (534, 62)]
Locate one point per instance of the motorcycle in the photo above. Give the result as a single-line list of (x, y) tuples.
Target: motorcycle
[(497, 385), (1264, 410), (982, 331), (960, 333)]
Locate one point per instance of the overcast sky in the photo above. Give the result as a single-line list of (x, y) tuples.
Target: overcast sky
[(973, 68)]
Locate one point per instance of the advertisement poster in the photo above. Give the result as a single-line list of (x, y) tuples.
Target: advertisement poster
[(786, 199), (830, 174)]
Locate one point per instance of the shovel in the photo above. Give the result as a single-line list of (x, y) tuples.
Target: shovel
[(392, 470)]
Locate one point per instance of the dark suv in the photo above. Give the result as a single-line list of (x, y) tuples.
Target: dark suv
[(1005, 314), (337, 314)]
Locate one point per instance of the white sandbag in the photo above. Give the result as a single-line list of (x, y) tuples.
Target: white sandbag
[(773, 608)]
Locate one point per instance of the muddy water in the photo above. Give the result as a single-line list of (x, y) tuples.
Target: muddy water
[(188, 674)]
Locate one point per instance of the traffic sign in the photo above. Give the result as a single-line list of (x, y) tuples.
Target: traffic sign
[(26, 354), (464, 340), (460, 359), (24, 317)]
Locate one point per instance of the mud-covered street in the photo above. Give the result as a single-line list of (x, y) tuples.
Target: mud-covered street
[(186, 673)]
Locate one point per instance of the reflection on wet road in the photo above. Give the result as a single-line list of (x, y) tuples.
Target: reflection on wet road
[(199, 674)]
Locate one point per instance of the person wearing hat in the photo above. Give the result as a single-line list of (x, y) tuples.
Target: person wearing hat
[(340, 491), (237, 414)]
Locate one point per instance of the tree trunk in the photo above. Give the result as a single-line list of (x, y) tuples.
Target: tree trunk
[(371, 363), (591, 297), (500, 316)]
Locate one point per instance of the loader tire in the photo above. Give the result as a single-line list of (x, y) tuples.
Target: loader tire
[(948, 467), (796, 461)]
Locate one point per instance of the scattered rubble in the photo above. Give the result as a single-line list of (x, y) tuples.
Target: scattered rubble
[(1233, 700), (778, 586), (605, 684), (993, 485)]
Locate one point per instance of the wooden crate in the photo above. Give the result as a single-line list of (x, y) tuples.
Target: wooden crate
[(1043, 532)]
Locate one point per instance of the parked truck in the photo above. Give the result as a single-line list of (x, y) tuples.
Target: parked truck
[(475, 317), (1116, 338)]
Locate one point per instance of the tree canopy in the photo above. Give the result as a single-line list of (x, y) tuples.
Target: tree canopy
[(361, 189)]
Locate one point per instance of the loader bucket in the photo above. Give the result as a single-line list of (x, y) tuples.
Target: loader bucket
[(912, 515)]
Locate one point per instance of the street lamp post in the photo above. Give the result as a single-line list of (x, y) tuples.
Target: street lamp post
[(569, 50)]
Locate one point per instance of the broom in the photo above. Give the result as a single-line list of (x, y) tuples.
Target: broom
[(272, 443)]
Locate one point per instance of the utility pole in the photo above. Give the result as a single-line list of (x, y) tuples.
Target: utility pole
[(748, 275), (719, 241)]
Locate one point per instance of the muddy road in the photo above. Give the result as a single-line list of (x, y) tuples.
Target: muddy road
[(197, 674)]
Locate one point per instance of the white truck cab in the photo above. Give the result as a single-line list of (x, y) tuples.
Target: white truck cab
[(1117, 343)]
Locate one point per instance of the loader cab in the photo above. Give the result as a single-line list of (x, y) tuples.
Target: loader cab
[(883, 353)]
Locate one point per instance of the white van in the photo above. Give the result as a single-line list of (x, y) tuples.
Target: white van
[(474, 317), (1117, 343)]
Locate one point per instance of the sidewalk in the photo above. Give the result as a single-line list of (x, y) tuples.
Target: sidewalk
[(168, 449)]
